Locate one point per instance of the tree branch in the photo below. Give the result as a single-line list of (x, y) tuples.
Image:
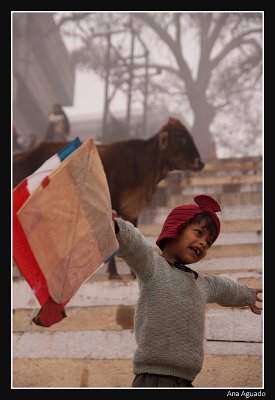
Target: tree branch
[(236, 42), (216, 31), (73, 17), (185, 72)]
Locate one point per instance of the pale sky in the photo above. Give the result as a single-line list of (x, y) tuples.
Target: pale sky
[(89, 96)]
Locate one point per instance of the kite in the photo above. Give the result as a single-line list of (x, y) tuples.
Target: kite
[(62, 227)]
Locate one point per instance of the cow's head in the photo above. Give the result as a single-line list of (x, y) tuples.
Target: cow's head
[(177, 147)]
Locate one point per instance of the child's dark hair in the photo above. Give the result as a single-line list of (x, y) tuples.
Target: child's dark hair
[(209, 223)]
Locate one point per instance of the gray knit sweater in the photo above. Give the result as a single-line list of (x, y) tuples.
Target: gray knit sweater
[(170, 313)]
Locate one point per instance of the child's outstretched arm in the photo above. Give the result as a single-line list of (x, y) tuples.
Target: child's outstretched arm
[(134, 248), (225, 292), (255, 308)]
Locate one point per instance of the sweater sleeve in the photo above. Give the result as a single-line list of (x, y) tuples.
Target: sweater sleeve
[(134, 249), (225, 292)]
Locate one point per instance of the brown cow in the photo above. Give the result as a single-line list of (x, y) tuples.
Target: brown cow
[(133, 167)]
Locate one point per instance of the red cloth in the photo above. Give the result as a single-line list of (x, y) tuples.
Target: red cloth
[(22, 253), (51, 312), (180, 215)]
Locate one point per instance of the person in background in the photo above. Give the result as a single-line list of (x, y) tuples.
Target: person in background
[(59, 126), (16, 140), (170, 312)]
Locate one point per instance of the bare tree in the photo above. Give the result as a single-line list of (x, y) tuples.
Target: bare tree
[(210, 63)]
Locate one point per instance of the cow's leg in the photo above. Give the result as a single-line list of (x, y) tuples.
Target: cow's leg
[(112, 270)]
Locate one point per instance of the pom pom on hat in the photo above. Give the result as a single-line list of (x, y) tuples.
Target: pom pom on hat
[(180, 216), (207, 203)]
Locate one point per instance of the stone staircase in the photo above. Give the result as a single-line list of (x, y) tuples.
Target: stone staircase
[(94, 345)]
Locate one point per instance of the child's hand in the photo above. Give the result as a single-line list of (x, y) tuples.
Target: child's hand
[(256, 309), (114, 214)]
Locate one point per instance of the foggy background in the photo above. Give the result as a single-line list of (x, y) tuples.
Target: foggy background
[(121, 75)]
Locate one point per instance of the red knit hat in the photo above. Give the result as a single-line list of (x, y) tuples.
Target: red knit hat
[(180, 215)]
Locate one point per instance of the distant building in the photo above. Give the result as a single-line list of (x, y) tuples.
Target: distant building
[(43, 73)]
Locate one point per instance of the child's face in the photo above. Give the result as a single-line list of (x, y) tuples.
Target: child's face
[(191, 245)]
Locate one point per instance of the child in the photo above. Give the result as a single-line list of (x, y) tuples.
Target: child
[(169, 319)]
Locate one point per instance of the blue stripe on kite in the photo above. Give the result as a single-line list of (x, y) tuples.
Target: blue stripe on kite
[(73, 145), (111, 256)]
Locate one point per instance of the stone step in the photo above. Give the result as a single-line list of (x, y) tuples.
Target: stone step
[(94, 345), (219, 189), (228, 198), (222, 323), (227, 250), (234, 212), (172, 197), (108, 344), (230, 226), (231, 242), (231, 182), (219, 371), (223, 167), (84, 314), (233, 233), (112, 326), (235, 250), (231, 251), (244, 257), (236, 165), (230, 238), (100, 291), (207, 265), (215, 180)]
